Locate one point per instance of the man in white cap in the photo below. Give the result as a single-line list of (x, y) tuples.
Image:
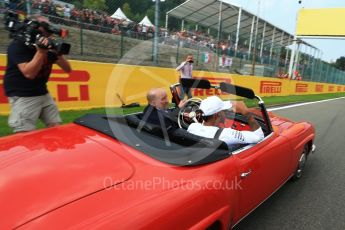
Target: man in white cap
[(213, 109)]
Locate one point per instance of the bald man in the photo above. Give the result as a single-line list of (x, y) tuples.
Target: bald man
[(157, 111)]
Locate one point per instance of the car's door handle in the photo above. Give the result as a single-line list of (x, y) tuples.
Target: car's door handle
[(245, 174)]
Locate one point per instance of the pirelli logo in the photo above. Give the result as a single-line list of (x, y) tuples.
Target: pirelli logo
[(319, 88), (63, 82), (331, 88), (270, 87), (211, 92), (301, 88), (339, 88)]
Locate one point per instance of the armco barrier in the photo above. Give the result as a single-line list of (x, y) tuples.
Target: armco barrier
[(93, 84)]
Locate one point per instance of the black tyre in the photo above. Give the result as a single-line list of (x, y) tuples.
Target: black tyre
[(301, 164)]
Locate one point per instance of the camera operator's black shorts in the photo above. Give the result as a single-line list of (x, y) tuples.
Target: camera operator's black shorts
[(25, 112)]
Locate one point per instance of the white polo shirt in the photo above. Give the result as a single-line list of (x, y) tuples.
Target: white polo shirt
[(185, 69), (228, 135)]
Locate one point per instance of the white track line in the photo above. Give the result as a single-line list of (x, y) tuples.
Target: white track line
[(302, 104)]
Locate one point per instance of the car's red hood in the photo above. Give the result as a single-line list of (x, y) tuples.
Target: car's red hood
[(51, 168)]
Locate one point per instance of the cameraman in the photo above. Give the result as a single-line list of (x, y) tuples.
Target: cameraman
[(186, 69), (25, 82)]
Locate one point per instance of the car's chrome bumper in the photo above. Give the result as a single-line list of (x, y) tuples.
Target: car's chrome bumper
[(313, 148)]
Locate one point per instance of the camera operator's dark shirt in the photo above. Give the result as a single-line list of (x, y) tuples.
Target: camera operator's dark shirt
[(15, 83)]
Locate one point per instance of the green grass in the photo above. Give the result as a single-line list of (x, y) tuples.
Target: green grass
[(285, 100), (70, 116)]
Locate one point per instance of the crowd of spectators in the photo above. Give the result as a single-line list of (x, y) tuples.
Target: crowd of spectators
[(199, 40), (67, 14), (225, 48)]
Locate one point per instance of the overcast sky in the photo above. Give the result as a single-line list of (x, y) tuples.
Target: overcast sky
[(282, 13)]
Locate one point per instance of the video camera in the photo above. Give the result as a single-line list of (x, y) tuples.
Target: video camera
[(28, 32)]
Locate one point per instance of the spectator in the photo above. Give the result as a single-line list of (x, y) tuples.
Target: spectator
[(67, 12), (144, 32), (59, 10), (186, 69), (157, 111)]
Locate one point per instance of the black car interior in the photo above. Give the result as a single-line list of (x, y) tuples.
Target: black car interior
[(175, 146)]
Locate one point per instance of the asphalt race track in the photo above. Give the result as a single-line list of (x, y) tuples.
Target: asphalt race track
[(317, 200)]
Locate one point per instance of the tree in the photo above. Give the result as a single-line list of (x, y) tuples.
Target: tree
[(340, 63), (126, 8), (151, 14), (95, 4), (113, 5), (76, 3)]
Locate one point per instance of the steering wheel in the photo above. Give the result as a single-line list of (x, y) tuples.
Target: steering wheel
[(188, 113)]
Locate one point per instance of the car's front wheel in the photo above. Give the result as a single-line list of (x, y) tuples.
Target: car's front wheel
[(301, 164)]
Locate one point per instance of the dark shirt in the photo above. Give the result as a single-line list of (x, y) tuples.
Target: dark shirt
[(15, 83), (164, 118)]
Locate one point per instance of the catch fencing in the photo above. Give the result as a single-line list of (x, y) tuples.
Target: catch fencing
[(102, 40)]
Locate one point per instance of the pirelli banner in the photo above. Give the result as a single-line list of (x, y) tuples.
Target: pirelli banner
[(321, 22), (92, 85)]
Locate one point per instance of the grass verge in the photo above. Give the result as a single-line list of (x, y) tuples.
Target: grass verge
[(70, 116)]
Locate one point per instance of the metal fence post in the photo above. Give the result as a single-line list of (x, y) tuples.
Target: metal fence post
[(81, 41), (197, 56), (178, 49), (319, 70), (312, 68), (121, 44), (340, 77), (240, 63), (277, 60), (328, 73), (216, 60)]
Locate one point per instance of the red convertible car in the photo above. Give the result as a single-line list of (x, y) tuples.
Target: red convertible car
[(117, 172)]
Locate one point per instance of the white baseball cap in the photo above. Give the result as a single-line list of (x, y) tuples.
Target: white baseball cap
[(214, 104)]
